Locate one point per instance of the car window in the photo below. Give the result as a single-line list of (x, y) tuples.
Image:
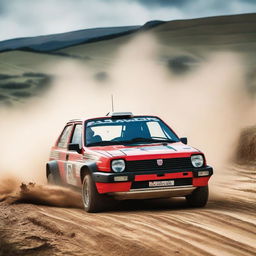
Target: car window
[(155, 129), (77, 135), (63, 141), (108, 132)]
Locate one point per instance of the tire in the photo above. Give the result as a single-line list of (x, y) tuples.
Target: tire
[(92, 200), (199, 197)]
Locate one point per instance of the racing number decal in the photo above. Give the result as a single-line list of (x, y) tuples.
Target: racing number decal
[(71, 179)]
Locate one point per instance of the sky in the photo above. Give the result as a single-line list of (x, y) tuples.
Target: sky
[(25, 18)]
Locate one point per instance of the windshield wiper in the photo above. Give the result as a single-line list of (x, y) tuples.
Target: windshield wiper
[(104, 143), (150, 140), (134, 140)]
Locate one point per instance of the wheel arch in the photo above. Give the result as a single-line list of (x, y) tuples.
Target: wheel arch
[(52, 167), (87, 168)]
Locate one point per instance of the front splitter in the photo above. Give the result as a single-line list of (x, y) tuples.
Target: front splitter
[(149, 193)]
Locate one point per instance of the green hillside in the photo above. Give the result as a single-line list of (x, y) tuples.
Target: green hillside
[(181, 45)]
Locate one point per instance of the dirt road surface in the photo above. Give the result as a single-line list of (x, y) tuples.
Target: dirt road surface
[(226, 226)]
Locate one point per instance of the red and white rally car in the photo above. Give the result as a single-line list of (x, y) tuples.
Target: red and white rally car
[(122, 156)]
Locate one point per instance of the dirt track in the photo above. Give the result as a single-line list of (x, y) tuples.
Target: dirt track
[(227, 226)]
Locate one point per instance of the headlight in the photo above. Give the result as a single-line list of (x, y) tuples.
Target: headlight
[(197, 160), (118, 165)]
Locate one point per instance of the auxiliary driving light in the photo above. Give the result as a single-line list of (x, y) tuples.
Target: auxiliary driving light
[(203, 173), (121, 178)]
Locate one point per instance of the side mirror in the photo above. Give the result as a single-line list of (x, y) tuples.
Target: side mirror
[(74, 147), (184, 140)]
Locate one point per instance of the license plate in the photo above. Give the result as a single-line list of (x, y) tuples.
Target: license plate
[(163, 183)]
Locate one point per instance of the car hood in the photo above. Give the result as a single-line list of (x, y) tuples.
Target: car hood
[(149, 149)]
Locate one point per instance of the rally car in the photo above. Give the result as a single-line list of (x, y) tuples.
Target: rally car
[(122, 156)]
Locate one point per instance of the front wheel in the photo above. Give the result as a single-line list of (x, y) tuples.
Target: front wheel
[(199, 197), (92, 200)]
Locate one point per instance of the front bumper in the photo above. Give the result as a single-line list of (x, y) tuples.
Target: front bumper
[(154, 193), (136, 184)]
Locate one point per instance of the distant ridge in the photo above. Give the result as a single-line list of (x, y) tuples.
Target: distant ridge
[(54, 42), (57, 41)]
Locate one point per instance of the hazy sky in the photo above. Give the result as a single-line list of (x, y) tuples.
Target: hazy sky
[(22, 18)]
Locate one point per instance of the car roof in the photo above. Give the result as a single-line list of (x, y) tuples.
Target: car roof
[(109, 115)]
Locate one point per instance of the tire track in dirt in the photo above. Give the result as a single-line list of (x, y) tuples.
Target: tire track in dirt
[(133, 232), (226, 226), (212, 239), (194, 232)]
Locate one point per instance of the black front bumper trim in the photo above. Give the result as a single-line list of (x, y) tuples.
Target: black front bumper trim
[(108, 177)]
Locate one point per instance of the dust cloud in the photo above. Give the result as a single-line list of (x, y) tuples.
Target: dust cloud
[(12, 192), (246, 149), (8, 187), (48, 195), (209, 105)]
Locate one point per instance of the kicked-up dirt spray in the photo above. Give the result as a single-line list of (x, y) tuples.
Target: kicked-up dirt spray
[(209, 105)]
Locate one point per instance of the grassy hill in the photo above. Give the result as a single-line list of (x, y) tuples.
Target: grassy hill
[(57, 41), (182, 44), (237, 32)]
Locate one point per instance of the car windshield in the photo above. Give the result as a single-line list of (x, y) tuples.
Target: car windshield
[(135, 130)]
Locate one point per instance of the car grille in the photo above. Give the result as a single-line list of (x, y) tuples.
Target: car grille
[(151, 165)]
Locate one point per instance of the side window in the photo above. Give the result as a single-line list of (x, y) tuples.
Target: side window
[(63, 141), (77, 135)]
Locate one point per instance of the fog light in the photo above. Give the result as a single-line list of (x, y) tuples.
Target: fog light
[(121, 178), (203, 173)]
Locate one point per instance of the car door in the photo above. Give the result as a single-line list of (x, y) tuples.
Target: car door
[(74, 159), (62, 150)]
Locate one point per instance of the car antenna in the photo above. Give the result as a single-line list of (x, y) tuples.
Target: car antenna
[(112, 105), (112, 102)]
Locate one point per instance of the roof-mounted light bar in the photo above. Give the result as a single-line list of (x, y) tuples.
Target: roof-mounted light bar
[(120, 114)]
